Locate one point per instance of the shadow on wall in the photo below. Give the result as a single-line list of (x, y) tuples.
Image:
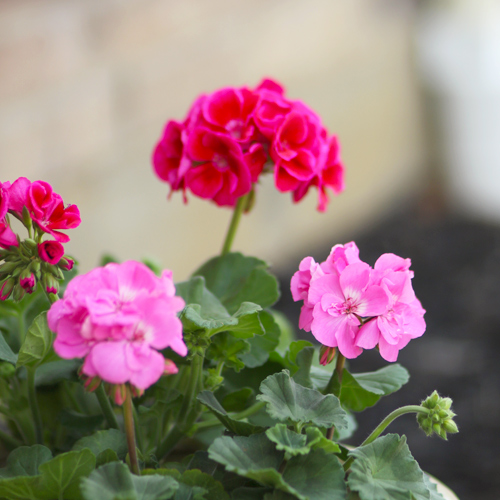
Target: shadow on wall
[(457, 278)]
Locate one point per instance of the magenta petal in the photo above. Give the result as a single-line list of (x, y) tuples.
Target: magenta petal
[(145, 378), (354, 278), (387, 351), (374, 301), (326, 284), (346, 341), (109, 361), (204, 181), (368, 335), (306, 318), (324, 327)]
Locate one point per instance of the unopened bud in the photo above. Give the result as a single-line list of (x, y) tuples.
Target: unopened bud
[(326, 355), (92, 383), (27, 280), (7, 370), (26, 217), (170, 368), (439, 418), (9, 267), (18, 293), (50, 284), (66, 263), (118, 393), (6, 288)]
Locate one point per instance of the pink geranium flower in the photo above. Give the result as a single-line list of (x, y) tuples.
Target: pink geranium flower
[(349, 305), (340, 301), (117, 317)]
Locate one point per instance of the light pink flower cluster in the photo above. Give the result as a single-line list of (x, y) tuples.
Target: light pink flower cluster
[(219, 151), (117, 317), (351, 306)]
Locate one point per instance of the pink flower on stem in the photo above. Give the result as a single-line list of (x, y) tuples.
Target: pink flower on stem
[(339, 303), (118, 317), (349, 305), (50, 251)]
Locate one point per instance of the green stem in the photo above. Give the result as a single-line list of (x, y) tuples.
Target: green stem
[(334, 386), (233, 226), (106, 407), (382, 426), (138, 433), (183, 423), (128, 414), (35, 410)]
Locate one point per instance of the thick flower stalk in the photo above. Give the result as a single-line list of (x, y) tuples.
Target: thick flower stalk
[(232, 136), (351, 306)]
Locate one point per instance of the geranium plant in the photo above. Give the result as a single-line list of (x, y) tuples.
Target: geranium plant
[(121, 384)]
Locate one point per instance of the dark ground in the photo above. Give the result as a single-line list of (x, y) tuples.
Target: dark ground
[(457, 279)]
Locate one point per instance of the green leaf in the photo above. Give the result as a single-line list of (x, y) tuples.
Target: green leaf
[(432, 487), (105, 457), (247, 493), (191, 479), (23, 488), (254, 457), (262, 345), (287, 440), (224, 347), (300, 444), (111, 439), (61, 475), (114, 481), (25, 460), (304, 360), (240, 428), (234, 279), (385, 469), (316, 476), (6, 353), (287, 400), (362, 390), (36, 344), (316, 440), (237, 401)]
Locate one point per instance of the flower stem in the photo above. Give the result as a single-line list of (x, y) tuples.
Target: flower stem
[(35, 410), (233, 226), (186, 417), (334, 386), (106, 407), (9, 441), (382, 426), (128, 414)]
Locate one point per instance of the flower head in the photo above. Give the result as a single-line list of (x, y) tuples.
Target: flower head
[(118, 317), (219, 151), (349, 305)]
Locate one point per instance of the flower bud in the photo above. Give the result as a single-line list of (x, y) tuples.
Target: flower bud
[(9, 267), (439, 418), (170, 367), (92, 383), (66, 263), (7, 370), (30, 243), (326, 355), (26, 217), (118, 393), (50, 284), (50, 251), (27, 280), (6, 288), (19, 293)]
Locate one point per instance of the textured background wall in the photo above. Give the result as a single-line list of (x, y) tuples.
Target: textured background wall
[(86, 86)]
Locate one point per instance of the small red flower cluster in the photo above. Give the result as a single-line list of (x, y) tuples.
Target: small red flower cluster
[(37, 206), (220, 150)]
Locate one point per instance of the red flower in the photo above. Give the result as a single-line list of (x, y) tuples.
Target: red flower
[(50, 251)]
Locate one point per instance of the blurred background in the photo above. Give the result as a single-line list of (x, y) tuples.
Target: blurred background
[(411, 88)]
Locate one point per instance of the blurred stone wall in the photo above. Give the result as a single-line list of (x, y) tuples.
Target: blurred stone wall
[(86, 86)]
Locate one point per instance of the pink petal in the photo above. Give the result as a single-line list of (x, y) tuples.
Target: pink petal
[(354, 279), (368, 335), (326, 284), (109, 362), (324, 327), (374, 301), (346, 341)]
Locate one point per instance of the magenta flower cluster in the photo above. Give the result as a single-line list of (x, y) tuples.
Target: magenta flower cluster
[(117, 317), (351, 306), (230, 137)]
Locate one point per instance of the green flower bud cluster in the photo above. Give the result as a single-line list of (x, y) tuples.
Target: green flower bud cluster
[(439, 418)]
